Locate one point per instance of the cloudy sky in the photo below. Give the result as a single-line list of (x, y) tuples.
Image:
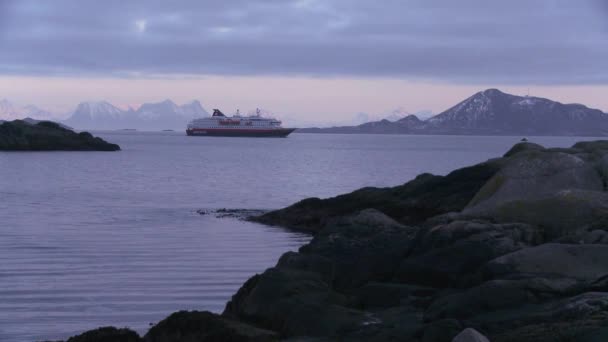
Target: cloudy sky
[(309, 59)]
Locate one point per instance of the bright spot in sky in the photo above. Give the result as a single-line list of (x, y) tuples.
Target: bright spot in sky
[(222, 29), (140, 25)]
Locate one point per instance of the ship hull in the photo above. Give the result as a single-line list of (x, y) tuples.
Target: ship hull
[(227, 132)]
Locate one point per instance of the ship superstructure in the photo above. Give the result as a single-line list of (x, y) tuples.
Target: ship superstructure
[(237, 126)]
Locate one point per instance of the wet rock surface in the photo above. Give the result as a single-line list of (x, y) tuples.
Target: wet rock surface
[(240, 214), (513, 249)]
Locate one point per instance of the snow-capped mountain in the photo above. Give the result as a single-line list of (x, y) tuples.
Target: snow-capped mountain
[(10, 111), (193, 109), (492, 112), (411, 122), (95, 115), (149, 116), (396, 114)]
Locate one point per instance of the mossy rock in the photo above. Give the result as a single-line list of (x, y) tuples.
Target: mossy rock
[(411, 203)]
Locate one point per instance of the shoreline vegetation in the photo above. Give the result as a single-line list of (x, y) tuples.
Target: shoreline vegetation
[(21, 135), (513, 249)]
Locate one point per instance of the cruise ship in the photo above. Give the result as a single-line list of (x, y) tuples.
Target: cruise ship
[(237, 126)]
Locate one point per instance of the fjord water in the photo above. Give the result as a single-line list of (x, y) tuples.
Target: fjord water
[(90, 239)]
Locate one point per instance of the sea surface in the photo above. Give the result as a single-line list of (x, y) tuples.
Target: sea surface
[(91, 239)]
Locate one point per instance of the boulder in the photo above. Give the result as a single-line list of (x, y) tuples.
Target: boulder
[(562, 319), (376, 295), (558, 214), (592, 146), (197, 326), (495, 295), (446, 255), (522, 147), (362, 247), (470, 335), (534, 175), (322, 266), (583, 263), (294, 303)]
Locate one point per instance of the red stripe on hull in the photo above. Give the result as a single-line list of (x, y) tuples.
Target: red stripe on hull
[(226, 132)]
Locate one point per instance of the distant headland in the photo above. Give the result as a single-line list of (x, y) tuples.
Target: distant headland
[(492, 112), (33, 135)]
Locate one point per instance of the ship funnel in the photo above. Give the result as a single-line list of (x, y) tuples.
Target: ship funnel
[(217, 112)]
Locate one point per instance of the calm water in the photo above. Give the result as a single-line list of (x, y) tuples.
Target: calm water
[(92, 238)]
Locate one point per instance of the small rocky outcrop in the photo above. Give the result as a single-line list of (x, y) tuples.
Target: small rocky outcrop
[(185, 326), (20, 135), (107, 334)]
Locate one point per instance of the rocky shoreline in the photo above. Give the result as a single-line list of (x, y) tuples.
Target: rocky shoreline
[(20, 135), (515, 248)]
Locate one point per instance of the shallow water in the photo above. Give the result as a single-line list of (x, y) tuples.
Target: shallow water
[(113, 238)]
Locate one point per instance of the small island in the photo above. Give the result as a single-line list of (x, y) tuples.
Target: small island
[(22, 135)]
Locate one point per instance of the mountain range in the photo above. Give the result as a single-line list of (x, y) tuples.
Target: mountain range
[(149, 116), (9, 111), (489, 112), (492, 112), (102, 115)]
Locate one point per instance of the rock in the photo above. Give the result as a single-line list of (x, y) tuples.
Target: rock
[(583, 263), (441, 330), (320, 265), (563, 319), (19, 135), (294, 303), (596, 236), (523, 146), (598, 334), (412, 203), (197, 326), (470, 335), (534, 175), (592, 236), (240, 214), (591, 145), (444, 255), (376, 295), (559, 214), (107, 334), (517, 234), (308, 293), (495, 295), (362, 247)]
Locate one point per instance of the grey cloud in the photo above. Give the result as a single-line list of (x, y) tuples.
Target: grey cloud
[(467, 41)]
